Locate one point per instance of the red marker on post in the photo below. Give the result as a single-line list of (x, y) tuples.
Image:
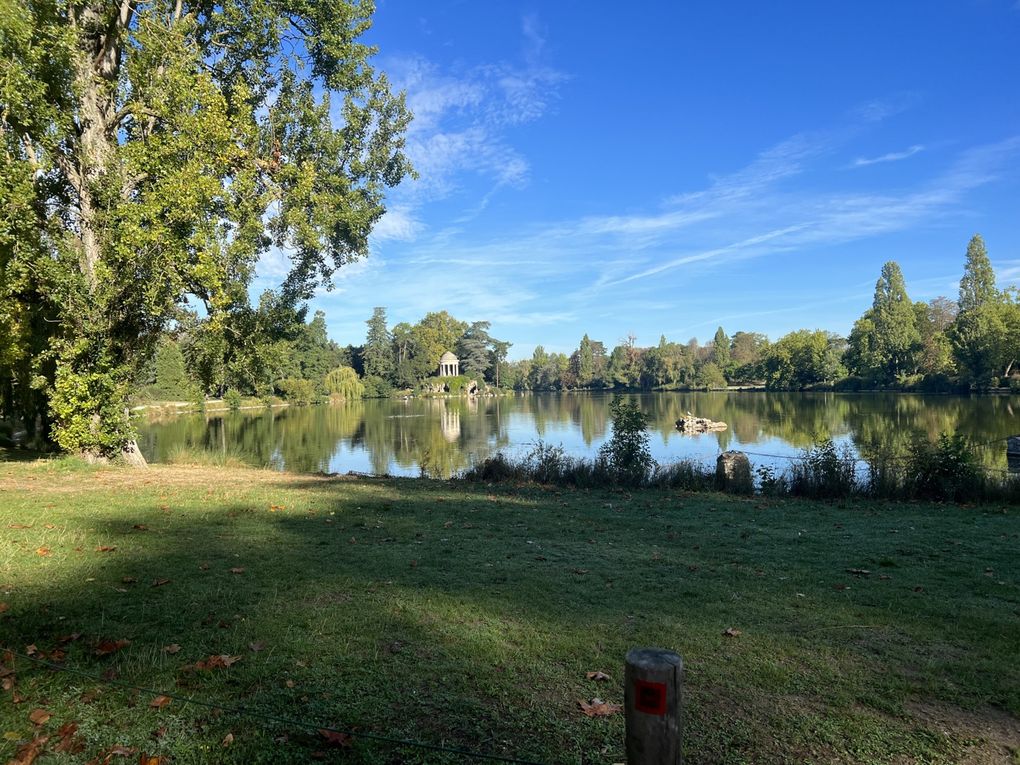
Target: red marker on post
[(652, 706)]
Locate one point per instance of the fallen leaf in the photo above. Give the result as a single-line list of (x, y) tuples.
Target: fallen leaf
[(599, 708), (217, 661), (597, 675), (19, 525), (129, 579), (111, 646), (333, 738), (289, 683), (237, 570), (153, 760), (160, 701), (256, 647), (28, 751), (57, 655), (49, 526), (228, 740), (39, 716), (731, 632), (106, 548), (858, 571), (89, 696), (31, 649), (43, 552), (159, 732), (172, 648), (580, 571), (160, 582), (3, 607), (203, 566), (140, 527), (69, 742), (69, 638)]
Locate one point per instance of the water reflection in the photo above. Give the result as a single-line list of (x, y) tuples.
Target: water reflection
[(444, 436)]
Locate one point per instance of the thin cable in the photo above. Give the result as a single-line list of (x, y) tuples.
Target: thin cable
[(242, 712)]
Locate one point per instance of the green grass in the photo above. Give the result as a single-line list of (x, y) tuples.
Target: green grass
[(466, 615)]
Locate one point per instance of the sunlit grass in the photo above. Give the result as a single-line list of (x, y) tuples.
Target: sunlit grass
[(467, 615)]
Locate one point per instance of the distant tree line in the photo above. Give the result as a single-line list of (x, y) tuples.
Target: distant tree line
[(940, 345)]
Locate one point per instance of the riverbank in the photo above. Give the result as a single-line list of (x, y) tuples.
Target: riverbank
[(468, 615)]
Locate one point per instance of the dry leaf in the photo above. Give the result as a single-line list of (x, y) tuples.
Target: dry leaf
[(39, 716), (159, 702), (69, 742), (336, 739), (140, 527), (731, 632), (228, 740), (28, 751), (172, 648), (203, 566), (19, 525), (69, 638), (597, 675), (129, 579), (256, 647), (217, 661), (153, 760), (31, 650), (3, 607), (237, 570), (43, 552), (106, 548), (599, 708), (289, 683), (160, 582), (111, 646)]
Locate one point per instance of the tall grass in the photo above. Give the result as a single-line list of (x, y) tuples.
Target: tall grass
[(945, 470)]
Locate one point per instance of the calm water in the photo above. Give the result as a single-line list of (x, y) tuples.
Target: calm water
[(444, 436)]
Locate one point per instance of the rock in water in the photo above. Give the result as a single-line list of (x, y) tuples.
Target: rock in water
[(698, 425), (733, 473)]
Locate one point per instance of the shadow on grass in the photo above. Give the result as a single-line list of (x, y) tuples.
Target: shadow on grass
[(469, 615)]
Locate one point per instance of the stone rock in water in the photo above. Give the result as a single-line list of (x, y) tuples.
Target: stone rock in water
[(698, 425), (733, 473)]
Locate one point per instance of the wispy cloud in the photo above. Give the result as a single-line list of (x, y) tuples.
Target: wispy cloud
[(893, 156)]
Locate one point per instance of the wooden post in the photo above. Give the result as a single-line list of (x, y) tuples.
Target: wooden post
[(651, 698)]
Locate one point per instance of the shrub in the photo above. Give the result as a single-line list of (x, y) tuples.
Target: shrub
[(823, 472), (771, 483), (377, 387), (232, 399), (626, 456), (297, 391), (686, 475), (945, 470)]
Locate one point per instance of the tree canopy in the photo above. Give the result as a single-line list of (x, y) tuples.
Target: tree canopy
[(153, 152)]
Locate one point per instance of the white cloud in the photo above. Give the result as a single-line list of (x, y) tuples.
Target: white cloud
[(893, 156)]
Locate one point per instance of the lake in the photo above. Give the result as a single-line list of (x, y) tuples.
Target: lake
[(444, 436)]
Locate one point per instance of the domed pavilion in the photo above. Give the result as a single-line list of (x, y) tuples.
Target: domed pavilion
[(449, 365)]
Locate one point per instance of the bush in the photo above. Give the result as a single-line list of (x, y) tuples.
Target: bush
[(686, 475), (945, 470), (823, 472), (771, 483), (232, 399), (377, 387), (296, 391), (626, 456)]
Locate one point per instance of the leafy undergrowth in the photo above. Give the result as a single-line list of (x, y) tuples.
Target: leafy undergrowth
[(470, 616)]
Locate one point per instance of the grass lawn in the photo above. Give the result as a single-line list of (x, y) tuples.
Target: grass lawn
[(467, 616)]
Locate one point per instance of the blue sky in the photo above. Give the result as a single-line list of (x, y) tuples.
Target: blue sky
[(664, 168)]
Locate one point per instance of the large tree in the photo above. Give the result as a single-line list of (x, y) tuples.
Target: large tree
[(378, 352), (885, 341), (153, 150), (977, 287)]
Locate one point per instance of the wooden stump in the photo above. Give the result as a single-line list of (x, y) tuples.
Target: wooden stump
[(652, 706)]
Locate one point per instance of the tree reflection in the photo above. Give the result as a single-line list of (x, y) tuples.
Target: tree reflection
[(446, 435)]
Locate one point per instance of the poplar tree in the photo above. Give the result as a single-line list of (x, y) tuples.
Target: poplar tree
[(150, 152), (378, 353), (977, 287)]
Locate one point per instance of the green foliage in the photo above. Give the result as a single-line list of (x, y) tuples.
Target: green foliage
[(473, 350), (626, 455), (824, 472), (802, 359), (977, 287), (232, 399), (721, 349), (378, 351), (297, 391), (377, 387), (711, 376), (343, 383), (885, 342), (152, 154), (171, 382), (945, 470)]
